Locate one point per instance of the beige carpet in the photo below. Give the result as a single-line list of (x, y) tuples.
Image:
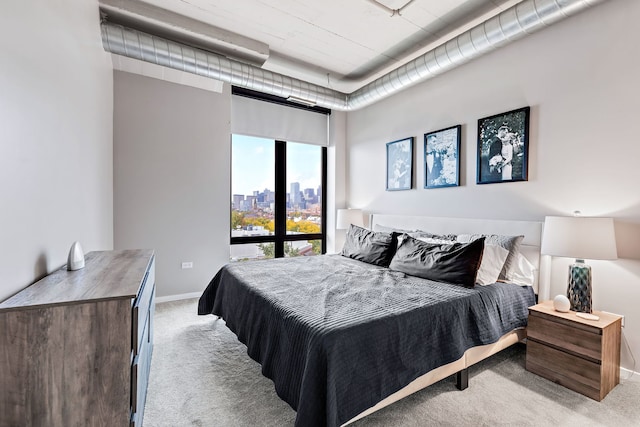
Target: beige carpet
[(201, 376)]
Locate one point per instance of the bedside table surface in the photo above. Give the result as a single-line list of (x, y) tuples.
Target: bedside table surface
[(606, 319)]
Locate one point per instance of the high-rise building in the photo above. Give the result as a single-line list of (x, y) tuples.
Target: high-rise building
[(237, 201), (294, 196), (269, 196), (250, 203), (309, 194)]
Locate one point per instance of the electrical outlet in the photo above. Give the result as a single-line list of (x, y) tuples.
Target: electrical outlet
[(187, 264)]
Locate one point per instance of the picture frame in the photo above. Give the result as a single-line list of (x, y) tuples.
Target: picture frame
[(400, 164), (442, 157), (503, 147)]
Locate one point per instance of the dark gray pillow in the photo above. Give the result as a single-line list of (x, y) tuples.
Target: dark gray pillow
[(510, 243), (369, 246), (455, 263)]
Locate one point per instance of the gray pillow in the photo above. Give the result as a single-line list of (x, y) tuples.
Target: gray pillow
[(455, 263), (510, 243), (369, 246)]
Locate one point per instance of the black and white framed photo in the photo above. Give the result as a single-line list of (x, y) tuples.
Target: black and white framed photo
[(442, 157), (400, 164), (503, 147)]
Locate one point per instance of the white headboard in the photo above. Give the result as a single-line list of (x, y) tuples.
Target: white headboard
[(531, 230)]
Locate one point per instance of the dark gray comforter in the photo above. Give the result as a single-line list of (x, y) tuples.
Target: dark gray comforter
[(336, 335)]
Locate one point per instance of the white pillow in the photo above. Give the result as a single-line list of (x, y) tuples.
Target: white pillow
[(493, 259), (432, 240), (385, 229), (522, 272), (424, 237)]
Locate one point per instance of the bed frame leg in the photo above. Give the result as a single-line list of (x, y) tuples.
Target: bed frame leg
[(462, 379)]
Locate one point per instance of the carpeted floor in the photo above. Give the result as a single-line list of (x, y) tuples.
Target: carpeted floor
[(201, 376)]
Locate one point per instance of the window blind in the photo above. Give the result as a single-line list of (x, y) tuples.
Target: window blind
[(263, 119)]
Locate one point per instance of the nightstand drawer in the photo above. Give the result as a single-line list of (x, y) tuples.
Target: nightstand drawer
[(586, 343), (573, 372)]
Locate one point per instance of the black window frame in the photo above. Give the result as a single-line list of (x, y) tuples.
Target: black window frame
[(280, 235)]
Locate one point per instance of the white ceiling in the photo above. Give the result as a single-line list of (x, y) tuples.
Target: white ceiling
[(340, 44)]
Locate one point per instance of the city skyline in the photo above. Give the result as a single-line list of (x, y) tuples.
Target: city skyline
[(253, 165), (317, 191), (305, 197)]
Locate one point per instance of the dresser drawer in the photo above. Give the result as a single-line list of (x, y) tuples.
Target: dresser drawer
[(141, 307), (582, 342), (152, 312), (140, 377), (573, 372)]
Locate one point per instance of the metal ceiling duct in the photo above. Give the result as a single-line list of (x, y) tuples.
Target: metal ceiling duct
[(145, 47), (514, 23), (521, 19)]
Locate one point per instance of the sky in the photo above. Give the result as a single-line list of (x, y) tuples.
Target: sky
[(253, 169)]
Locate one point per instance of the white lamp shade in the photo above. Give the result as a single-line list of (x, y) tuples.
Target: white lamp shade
[(579, 237), (346, 217)]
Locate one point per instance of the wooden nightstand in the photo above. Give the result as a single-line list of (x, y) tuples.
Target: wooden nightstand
[(583, 355)]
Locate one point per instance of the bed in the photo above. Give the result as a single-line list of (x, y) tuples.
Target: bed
[(341, 338)]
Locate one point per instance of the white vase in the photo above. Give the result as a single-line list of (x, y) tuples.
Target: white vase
[(75, 261), (561, 303)]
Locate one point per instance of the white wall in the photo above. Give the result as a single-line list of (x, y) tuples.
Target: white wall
[(56, 91), (336, 191), (172, 177), (580, 77)]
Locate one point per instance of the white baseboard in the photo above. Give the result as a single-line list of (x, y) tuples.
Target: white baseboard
[(178, 297), (629, 375)]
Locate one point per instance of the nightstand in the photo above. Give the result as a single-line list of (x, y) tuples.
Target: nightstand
[(583, 355)]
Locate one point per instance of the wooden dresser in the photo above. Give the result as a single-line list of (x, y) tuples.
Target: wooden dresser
[(583, 355), (75, 347)]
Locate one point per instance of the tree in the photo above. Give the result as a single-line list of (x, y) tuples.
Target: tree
[(268, 249), (270, 226), (261, 221), (303, 226), (317, 246), (308, 227), (290, 251), (237, 219), (292, 225)]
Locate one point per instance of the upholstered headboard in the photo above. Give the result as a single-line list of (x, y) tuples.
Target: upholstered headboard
[(531, 230)]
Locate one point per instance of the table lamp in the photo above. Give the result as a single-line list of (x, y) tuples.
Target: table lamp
[(580, 238), (347, 217)]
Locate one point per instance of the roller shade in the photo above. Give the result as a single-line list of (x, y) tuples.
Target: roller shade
[(253, 117)]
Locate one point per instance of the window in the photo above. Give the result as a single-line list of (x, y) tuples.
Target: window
[(277, 198)]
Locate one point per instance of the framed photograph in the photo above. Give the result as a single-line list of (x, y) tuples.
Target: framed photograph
[(503, 147), (442, 158), (400, 164)]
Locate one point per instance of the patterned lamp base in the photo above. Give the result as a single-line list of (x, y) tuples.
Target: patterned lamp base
[(579, 289)]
